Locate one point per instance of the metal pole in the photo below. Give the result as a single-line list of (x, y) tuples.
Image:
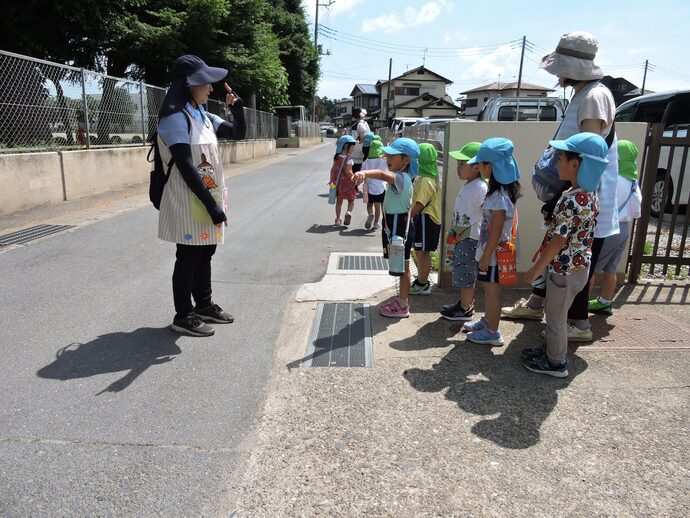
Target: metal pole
[(644, 79), (86, 110), (522, 58), (143, 122), (388, 93)]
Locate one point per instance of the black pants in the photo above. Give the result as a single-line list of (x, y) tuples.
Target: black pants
[(579, 308), (192, 278)]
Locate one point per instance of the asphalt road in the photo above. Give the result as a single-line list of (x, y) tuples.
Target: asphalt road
[(105, 411)]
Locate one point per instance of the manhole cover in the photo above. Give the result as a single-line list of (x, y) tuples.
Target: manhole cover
[(29, 234), (340, 336), (649, 331)]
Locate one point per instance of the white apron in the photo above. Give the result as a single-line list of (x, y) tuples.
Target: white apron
[(183, 217)]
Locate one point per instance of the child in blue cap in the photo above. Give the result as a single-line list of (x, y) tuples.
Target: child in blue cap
[(497, 165), (402, 160), (567, 246)]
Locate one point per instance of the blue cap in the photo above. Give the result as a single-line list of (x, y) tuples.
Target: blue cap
[(368, 137), (408, 147), (498, 152), (195, 71), (345, 139), (593, 150)]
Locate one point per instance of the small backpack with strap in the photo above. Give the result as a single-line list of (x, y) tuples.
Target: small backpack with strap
[(159, 175)]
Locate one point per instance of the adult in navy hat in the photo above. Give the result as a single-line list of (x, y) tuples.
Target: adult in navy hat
[(194, 202)]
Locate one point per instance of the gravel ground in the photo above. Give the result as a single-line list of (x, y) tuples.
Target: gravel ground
[(676, 237)]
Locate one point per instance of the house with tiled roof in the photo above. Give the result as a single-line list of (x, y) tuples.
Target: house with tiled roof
[(366, 96), (419, 92), (477, 97)]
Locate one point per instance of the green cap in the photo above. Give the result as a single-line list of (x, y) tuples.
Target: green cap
[(377, 137), (427, 160), (627, 154), (467, 151), (376, 149)]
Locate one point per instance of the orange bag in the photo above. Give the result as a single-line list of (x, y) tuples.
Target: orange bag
[(506, 258)]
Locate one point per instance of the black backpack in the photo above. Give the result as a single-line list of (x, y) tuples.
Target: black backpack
[(159, 175)]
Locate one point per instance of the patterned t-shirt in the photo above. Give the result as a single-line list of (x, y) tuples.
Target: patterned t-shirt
[(574, 219)]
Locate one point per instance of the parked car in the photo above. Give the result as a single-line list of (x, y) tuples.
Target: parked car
[(328, 129), (522, 109), (399, 123), (673, 110)]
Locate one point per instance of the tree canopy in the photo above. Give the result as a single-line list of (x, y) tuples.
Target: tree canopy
[(264, 44)]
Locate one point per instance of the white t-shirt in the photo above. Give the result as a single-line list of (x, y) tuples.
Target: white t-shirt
[(633, 208), (375, 186), (468, 206)]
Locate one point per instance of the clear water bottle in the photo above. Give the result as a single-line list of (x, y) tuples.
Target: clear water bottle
[(396, 256)]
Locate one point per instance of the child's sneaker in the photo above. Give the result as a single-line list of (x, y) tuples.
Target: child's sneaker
[(376, 226), (484, 336), (338, 222), (348, 219), (521, 310), (393, 310), (416, 288), (477, 325), (369, 221), (595, 306), (541, 365), (457, 312)]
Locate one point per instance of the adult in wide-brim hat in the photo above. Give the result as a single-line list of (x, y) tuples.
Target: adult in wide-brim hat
[(573, 58), (194, 199)]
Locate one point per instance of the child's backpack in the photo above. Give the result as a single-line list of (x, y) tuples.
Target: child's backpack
[(159, 175)]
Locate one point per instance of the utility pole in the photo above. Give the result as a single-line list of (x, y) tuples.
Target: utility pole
[(316, 40), (388, 96), (522, 58), (644, 79)]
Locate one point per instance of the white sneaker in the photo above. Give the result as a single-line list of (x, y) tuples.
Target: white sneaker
[(369, 221), (575, 334), (521, 310)]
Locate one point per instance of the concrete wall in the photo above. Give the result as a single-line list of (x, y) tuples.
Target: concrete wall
[(530, 139), (32, 179)]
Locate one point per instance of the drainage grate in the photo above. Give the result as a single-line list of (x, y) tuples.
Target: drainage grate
[(340, 336), (29, 234), (362, 262)]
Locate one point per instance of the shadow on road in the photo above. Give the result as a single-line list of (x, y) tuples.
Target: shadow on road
[(114, 352)]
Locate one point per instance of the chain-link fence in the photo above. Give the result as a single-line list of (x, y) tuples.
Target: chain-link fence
[(47, 106)]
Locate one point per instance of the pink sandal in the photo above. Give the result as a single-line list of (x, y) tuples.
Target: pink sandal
[(393, 310)]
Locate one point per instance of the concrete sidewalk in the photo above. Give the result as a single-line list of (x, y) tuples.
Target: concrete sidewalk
[(441, 427)]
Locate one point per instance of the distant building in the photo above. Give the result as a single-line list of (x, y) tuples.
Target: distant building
[(343, 110), (419, 92), (367, 97), (622, 89), (477, 97)]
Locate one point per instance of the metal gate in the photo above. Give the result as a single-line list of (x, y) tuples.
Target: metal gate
[(665, 197)]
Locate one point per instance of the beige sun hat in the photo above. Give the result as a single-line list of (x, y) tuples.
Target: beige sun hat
[(574, 57)]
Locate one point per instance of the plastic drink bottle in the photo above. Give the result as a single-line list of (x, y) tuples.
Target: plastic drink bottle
[(365, 192), (396, 256)]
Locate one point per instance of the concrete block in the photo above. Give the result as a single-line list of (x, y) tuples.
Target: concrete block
[(29, 180)]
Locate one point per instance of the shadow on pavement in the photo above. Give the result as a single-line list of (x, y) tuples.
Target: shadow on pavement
[(114, 352)]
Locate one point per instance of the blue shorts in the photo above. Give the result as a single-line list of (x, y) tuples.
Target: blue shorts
[(464, 263), (489, 276)]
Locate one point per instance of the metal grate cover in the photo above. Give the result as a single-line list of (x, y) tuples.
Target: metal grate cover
[(340, 336), (29, 234), (362, 262)]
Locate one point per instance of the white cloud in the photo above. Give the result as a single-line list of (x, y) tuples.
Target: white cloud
[(501, 61), (409, 18)]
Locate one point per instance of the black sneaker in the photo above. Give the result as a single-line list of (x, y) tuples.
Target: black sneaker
[(541, 365), (457, 312), (532, 352), (214, 313), (192, 325)]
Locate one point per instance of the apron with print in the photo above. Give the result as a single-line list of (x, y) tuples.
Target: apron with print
[(183, 217)]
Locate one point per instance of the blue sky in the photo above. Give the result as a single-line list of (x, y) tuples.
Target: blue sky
[(473, 43)]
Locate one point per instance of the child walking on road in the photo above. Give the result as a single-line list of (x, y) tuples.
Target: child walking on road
[(376, 189), (496, 164), (341, 176), (567, 246), (401, 159), (467, 217)]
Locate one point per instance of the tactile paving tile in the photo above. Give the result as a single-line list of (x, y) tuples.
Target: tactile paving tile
[(647, 332)]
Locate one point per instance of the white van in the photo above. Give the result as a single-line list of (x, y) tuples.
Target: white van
[(399, 123), (522, 109), (673, 110)]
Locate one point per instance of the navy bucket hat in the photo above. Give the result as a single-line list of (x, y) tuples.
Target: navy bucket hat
[(498, 152), (188, 70)]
